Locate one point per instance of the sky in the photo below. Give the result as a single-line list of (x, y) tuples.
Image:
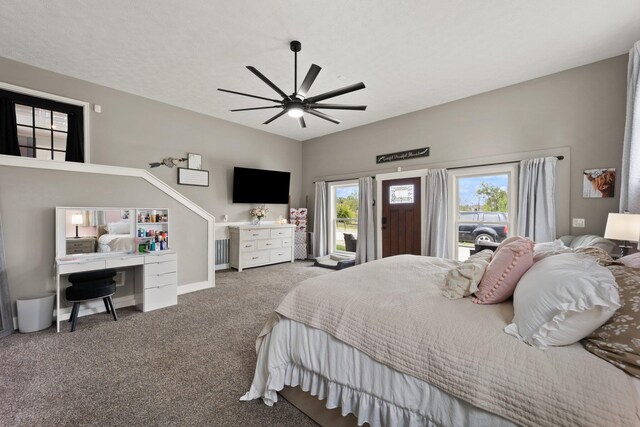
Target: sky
[(467, 186), (345, 191)]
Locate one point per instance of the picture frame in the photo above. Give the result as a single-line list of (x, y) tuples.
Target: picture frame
[(194, 161), (196, 177), (598, 183)]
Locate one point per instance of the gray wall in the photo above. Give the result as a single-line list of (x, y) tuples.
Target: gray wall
[(28, 198), (133, 131), (582, 108)]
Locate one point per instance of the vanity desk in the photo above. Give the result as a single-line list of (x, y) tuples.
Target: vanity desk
[(123, 242)]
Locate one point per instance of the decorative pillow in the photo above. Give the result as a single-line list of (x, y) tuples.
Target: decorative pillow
[(508, 265), (632, 260), (602, 256), (463, 280), (546, 249), (617, 340), (119, 228), (507, 241), (561, 300)]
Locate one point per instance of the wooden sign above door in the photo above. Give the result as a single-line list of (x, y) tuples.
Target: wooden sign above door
[(403, 155)]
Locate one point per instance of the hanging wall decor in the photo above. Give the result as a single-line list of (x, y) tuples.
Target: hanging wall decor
[(598, 183), (403, 155)]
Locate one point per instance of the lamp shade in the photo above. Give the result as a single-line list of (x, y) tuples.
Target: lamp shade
[(76, 219), (623, 226)]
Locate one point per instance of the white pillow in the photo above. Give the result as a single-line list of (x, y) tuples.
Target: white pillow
[(119, 228), (546, 249), (562, 299)]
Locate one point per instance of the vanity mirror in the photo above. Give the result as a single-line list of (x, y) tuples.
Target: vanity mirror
[(82, 231)]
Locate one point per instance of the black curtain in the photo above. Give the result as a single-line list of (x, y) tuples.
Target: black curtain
[(8, 128), (75, 138)]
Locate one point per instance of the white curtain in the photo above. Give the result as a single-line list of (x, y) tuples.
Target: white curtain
[(536, 199), (320, 223), (630, 180), (366, 244), (436, 212)]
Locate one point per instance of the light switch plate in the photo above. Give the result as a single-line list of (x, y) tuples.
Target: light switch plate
[(578, 222)]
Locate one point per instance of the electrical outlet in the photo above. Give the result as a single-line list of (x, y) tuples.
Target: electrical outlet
[(578, 222)]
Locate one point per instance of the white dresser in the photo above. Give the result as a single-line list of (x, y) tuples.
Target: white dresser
[(256, 245)]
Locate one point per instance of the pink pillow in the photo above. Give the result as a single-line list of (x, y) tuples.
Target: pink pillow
[(632, 260), (508, 265)]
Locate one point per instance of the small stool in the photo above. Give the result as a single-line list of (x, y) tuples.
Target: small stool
[(88, 286)]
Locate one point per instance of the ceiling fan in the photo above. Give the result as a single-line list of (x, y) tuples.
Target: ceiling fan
[(296, 104)]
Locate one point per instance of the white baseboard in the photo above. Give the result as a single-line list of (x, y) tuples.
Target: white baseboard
[(223, 266), (193, 287)]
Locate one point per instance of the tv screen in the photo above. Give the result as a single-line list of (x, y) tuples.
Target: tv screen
[(260, 186)]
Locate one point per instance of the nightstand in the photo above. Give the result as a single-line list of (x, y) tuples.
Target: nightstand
[(81, 245)]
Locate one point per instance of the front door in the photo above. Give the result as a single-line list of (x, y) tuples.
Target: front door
[(401, 222)]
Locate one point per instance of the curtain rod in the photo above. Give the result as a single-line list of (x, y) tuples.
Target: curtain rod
[(494, 164), (457, 167), (342, 179)]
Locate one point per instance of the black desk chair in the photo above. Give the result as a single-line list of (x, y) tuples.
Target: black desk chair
[(88, 286)]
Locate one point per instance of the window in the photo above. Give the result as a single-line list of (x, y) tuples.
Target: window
[(343, 208), (44, 128), (483, 206), (41, 133), (399, 194)]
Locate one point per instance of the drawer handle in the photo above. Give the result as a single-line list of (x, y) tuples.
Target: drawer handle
[(255, 257), (267, 244), (164, 274), (255, 234), (247, 246)]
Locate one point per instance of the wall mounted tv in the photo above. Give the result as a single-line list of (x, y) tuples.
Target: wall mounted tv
[(260, 186)]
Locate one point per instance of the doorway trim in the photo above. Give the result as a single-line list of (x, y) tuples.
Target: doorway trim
[(416, 173)]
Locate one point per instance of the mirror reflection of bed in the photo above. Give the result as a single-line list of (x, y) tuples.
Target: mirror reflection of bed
[(90, 231)]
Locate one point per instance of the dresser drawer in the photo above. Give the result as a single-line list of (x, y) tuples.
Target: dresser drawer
[(280, 255), (160, 257), (255, 258), (247, 246), (162, 279), (81, 266), (160, 268), (254, 233), (268, 244), (286, 242), (160, 296), (124, 261), (281, 232)]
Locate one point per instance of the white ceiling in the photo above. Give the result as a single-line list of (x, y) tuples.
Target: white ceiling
[(410, 54)]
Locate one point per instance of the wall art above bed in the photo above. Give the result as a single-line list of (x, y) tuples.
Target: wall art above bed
[(598, 183)]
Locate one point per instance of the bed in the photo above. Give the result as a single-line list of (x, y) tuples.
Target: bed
[(115, 237), (380, 342)]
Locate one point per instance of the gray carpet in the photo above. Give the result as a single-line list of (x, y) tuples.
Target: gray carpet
[(183, 365)]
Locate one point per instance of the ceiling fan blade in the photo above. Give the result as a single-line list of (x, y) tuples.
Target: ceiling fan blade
[(275, 117), (308, 80), (323, 116), (257, 108), (302, 123), (338, 107), (246, 94), (337, 92), (268, 82)]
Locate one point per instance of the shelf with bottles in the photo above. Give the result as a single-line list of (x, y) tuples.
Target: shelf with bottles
[(152, 229)]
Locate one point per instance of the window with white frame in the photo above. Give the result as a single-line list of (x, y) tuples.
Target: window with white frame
[(483, 204), (343, 211)]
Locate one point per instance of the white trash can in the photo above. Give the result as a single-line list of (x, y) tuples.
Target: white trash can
[(35, 313)]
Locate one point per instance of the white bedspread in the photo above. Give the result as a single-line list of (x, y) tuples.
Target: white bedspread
[(115, 243), (298, 355), (392, 311)]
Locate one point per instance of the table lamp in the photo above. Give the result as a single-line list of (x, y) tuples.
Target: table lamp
[(76, 219), (625, 227)]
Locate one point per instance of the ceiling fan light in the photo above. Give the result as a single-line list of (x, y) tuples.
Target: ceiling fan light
[(295, 112)]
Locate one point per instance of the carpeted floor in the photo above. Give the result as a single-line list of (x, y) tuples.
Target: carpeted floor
[(183, 365)]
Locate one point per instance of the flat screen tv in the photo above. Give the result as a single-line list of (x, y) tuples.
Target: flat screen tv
[(260, 186)]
